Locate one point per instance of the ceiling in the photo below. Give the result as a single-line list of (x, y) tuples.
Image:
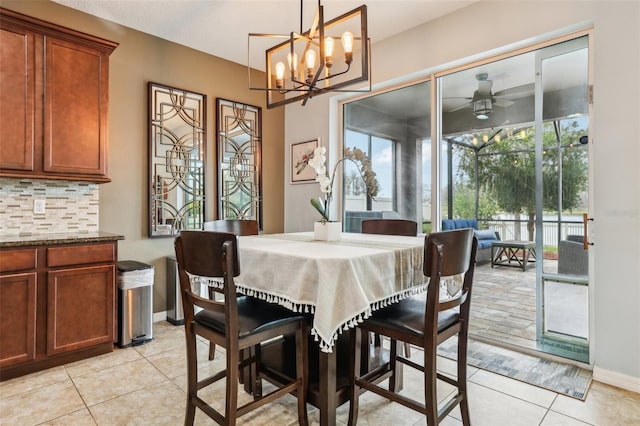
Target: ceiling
[(221, 27)]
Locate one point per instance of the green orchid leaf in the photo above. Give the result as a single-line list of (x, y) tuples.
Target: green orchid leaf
[(318, 205)]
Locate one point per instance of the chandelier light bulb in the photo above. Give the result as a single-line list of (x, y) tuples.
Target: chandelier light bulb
[(310, 61), (497, 137), (293, 64), (485, 138), (347, 44), (280, 75), (329, 44)]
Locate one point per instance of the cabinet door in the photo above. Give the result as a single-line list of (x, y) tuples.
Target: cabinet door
[(80, 305), (76, 102), (17, 66), (17, 318)]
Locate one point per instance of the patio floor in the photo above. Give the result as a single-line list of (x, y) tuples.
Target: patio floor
[(503, 306)]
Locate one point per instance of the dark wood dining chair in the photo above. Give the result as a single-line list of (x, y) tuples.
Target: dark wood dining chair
[(235, 324), (426, 323), (390, 227), (404, 227), (235, 226)]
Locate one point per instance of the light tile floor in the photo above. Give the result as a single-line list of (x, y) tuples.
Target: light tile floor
[(146, 386)]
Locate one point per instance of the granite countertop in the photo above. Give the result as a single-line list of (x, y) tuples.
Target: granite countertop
[(9, 241)]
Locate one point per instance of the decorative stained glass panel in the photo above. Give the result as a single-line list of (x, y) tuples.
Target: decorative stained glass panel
[(239, 132), (177, 135)]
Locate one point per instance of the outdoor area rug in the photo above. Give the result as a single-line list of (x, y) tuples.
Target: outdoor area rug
[(562, 378)]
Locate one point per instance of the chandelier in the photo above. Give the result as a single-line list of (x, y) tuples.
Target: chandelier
[(326, 58)]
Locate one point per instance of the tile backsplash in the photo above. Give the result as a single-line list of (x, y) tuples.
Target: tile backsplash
[(69, 206)]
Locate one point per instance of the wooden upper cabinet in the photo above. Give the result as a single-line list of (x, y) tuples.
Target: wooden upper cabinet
[(17, 86), (75, 131), (54, 83)]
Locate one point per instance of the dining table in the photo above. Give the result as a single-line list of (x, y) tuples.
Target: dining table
[(337, 283)]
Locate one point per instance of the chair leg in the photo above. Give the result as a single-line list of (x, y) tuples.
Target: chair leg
[(231, 405), (462, 377), (212, 346), (192, 375), (302, 360), (393, 365), (430, 386), (407, 350), (354, 372), (367, 341), (255, 353)]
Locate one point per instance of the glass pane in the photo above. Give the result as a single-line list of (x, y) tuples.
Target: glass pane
[(391, 128), (383, 164), (565, 328), (426, 185)]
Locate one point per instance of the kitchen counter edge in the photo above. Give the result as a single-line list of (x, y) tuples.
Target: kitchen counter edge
[(13, 241)]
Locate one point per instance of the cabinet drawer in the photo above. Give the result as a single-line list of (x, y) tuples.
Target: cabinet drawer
[(17, 260), (81, 254)]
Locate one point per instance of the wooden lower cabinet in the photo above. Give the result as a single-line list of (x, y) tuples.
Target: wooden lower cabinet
[(79, 308), (56, 309), (17, 318)]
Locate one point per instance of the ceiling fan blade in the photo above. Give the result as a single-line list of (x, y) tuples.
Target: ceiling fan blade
[(516, 92), (459, 107), (502, 102)]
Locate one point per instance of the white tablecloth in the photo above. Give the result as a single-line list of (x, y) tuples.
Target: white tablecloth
[(339, 282)]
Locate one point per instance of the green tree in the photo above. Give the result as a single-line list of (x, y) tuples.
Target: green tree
[(506, 171), (464, 203)]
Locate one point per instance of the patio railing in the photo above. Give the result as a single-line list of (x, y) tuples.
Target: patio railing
[(550, 229)]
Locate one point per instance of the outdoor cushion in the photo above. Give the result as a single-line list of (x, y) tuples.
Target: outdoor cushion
[(450, 224), (485, 234), (483, 244)]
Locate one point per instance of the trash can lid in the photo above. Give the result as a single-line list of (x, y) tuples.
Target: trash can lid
[(132, 265)]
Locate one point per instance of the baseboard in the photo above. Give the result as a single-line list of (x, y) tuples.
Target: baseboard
[(159, 316), (614, 378)]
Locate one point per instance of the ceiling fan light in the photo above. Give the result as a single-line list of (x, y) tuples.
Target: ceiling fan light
[(482, 107)]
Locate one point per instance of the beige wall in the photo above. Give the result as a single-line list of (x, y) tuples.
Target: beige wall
[(139, 59)]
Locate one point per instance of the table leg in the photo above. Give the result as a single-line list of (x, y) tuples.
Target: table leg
[(327, 403), (496, 255)]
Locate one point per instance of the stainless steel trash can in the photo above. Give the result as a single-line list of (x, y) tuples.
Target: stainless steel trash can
[(135, 303), (175, 314)]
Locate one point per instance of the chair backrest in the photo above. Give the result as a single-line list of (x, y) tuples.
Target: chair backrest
[(390, 227), (207, 254), (234, 226), (448, 253)]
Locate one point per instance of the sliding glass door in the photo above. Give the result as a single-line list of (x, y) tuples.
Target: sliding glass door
[(514, 157), (562, 207)]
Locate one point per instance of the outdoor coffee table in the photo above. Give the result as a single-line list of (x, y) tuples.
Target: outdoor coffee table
[(506, 253)]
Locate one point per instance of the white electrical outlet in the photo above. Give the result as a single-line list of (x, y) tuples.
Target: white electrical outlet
[(39, 206)]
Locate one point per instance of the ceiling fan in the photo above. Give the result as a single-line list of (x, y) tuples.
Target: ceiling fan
[(484, 100)]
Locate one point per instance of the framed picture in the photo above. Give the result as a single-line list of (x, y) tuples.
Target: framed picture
[(301, 172)]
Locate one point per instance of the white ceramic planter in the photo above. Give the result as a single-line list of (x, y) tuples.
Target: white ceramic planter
[(327, 231)]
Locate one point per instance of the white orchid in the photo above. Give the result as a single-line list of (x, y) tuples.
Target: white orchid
[(318, 160)]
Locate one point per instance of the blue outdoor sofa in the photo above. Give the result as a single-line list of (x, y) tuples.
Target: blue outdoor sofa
[(485, 236)]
